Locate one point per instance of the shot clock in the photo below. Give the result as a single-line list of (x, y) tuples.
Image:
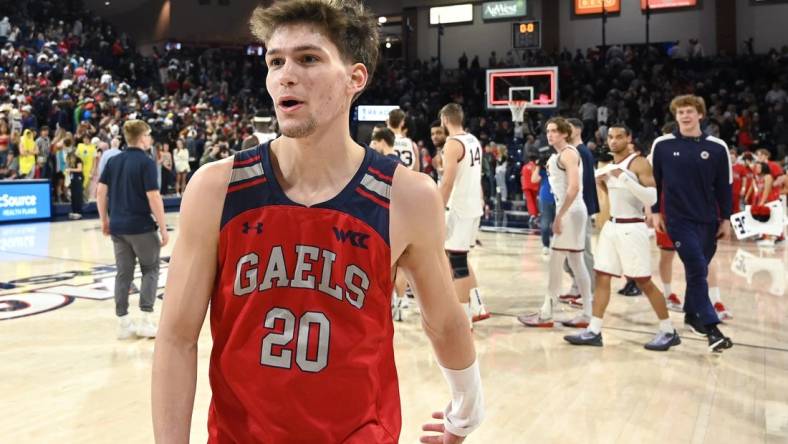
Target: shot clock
[(527, 35)]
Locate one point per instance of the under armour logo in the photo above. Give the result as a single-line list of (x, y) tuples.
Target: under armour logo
[(356, 239), (676, 154), (247, 227)]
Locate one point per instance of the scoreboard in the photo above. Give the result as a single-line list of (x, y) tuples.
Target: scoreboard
[(527, 35)]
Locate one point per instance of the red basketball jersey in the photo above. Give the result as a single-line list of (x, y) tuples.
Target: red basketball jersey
[(300, 316)]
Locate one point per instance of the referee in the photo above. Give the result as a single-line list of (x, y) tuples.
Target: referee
[(130, 182), (693, 175)]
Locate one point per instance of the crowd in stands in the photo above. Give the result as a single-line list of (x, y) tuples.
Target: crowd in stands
[(68, 80)]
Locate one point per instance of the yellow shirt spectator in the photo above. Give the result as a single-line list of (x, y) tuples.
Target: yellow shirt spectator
[(27, 153), (87, 153)]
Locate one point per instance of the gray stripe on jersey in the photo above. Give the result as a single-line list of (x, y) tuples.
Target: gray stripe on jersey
[(240, 174), (377, 186)]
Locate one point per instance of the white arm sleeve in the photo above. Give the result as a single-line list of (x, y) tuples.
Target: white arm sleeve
[(647, 195), (466, 410)]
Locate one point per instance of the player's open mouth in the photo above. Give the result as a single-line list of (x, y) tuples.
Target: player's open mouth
[(289, 104)]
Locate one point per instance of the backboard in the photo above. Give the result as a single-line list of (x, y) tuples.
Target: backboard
[(538, 86)]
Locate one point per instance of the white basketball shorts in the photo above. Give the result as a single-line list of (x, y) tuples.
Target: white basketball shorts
[(624, 249), (573, 231), (461, 232)]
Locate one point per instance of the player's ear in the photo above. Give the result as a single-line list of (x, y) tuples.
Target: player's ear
[(358, 78)]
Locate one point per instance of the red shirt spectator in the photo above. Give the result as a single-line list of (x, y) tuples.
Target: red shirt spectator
[(775, 169), (741, 182), (530, 189), (117, 49)]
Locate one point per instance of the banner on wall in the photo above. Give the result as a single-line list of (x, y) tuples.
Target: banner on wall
[(441, 15), (667, 4), (590, 7), (374, 113), (503, 9), (22, 200)]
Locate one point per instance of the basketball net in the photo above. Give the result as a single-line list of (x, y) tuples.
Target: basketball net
[(517, 107)]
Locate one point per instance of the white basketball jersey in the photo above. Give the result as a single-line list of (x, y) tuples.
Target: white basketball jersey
[(559, 181), (624, 204), (264, 137), (466, 194), (403, 146)]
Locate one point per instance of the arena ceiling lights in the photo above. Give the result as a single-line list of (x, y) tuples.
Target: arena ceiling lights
[(442, 15)]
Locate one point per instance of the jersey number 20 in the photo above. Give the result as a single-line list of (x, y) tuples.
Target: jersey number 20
[(284, 357)]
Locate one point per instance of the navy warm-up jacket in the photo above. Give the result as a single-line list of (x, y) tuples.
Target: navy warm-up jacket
[(693, 176)]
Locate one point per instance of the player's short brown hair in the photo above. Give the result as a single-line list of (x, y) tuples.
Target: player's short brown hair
[(384, 134), (688, 100), (453, 113), (563, 125), (133, 130), (396, 118), (347, 23)]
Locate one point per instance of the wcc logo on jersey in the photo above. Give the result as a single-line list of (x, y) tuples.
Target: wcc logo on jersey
[(354, 238)]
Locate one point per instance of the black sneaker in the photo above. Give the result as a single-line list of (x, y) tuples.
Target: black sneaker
[(626, 288), (695, 325), (585, 337), (634, 290), (717, 341)]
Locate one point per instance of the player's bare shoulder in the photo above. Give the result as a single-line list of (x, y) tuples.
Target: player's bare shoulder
[(414, 200), (640, 165), (569, 154), (643, 170), (203, 199)]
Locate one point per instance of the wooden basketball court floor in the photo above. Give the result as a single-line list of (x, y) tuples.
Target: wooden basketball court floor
[(66, 379)]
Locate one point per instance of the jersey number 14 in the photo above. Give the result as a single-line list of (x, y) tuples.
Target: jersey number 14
[(476, 156)]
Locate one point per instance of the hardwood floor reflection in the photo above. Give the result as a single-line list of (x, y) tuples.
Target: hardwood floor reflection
[(67, 380)]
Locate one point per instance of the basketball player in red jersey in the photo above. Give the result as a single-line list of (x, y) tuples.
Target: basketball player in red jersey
[(293, 244)]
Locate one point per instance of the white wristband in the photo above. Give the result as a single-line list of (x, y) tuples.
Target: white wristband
[(466, 410)]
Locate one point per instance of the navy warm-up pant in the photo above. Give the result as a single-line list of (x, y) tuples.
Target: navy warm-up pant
[(696, 244)]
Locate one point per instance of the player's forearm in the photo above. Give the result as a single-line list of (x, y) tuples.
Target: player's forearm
[(174, 382), (445, 189), (647, 195), (157, 208), (571, 194), (101, 203), (451, 339), (724, 197)]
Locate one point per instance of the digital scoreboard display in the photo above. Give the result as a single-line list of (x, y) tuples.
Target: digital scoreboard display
[(667, 4), (527, 35), (590, 7)]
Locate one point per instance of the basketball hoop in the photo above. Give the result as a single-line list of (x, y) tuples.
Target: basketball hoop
[(517, 107)]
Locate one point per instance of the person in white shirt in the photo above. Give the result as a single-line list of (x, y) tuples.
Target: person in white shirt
[(408, 153), (461, 189), (624, 248), (565, 172)]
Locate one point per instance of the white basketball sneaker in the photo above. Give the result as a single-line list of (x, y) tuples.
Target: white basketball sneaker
[(126, 327), (478, 310), (147, 327)]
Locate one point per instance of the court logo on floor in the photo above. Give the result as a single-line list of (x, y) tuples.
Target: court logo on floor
[(41, 294)]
